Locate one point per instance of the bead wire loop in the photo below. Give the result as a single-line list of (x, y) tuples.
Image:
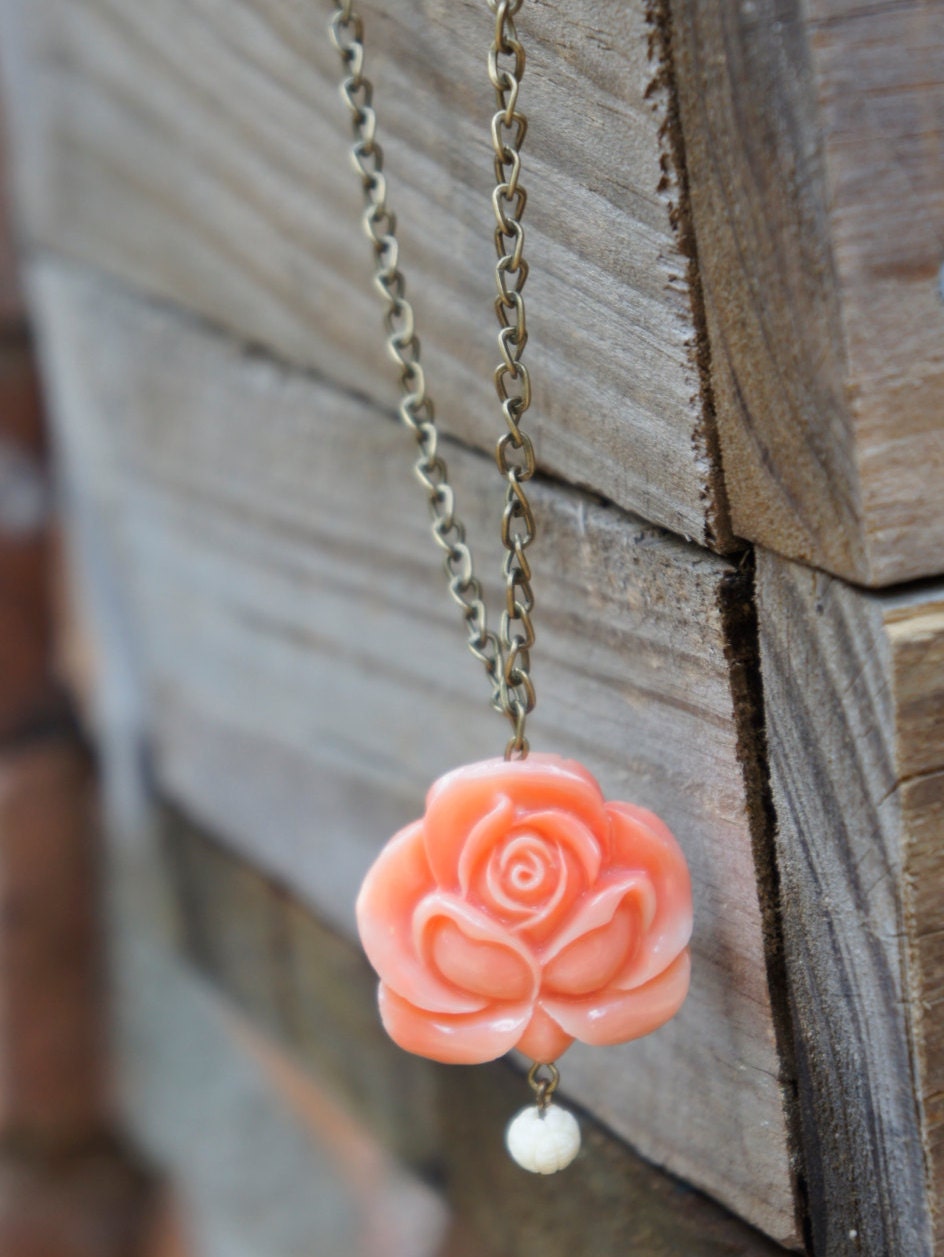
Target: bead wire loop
[(543, 1085)]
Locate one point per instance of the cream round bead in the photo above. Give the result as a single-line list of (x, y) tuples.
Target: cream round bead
[(543, 1142)]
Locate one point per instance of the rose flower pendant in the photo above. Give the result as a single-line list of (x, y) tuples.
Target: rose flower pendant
[(524, 911)]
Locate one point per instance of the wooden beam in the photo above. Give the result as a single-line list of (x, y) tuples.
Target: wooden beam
[(200, 150), (307, 677), (445, 1121), (813, 140), (854, 687)]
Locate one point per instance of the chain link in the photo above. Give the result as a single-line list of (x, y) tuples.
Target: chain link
[(515, 451), (506, 657)]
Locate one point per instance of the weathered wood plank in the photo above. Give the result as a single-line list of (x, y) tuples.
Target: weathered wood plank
[(854, 687), (814, 135), (307, 677), (199, 149), (326, 1017)]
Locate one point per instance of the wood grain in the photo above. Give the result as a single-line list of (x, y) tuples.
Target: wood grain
[(306, 675), (233, 918), (854, 685), (199, 149), (814, 141)]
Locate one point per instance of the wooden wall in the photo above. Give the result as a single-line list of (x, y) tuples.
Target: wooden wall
[(714, 277), (304, 681)]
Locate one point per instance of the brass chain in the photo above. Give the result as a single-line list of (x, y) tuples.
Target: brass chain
[(506, 657), (514, 451)]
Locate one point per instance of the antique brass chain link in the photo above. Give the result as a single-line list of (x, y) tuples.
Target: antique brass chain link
[(507, 655)]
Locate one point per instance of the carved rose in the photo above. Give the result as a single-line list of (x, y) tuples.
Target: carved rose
[(525, 911)]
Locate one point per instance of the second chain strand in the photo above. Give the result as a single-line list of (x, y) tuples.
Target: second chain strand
[(506, 661), (515, 451)]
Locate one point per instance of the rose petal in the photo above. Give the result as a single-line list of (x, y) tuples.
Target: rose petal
[(615, 1016), (476, 953), (540, 783), (498, 973), (543, 1039), (395, 884), (641, 841), (483, 838), (597, 909), (591, 962), (468, 1039)]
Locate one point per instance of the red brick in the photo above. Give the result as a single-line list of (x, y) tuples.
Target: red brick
[(166, 1233), (21, 411), (53, 1090), (28, 692), (11, 296), (94, 1205)]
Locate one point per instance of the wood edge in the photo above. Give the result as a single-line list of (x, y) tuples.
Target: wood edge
[(920, 1033), (738, 607), (720, 53), (913, 623), (719, 535)]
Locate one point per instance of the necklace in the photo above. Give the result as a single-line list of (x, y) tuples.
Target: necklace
[(523, 910)]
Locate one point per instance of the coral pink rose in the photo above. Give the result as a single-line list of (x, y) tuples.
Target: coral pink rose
[(525, 911)]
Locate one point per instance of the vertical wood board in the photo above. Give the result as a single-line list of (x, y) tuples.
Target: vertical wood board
[(853, 687)]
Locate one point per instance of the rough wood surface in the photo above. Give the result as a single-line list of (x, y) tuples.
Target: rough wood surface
[(307, 678), (200, 149), (234, 919), (814, 139), (854, 687)]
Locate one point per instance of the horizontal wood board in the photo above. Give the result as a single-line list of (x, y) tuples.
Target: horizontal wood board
[(854, 687), (307, 678), (199, 149), (814, 142), (253, 938)]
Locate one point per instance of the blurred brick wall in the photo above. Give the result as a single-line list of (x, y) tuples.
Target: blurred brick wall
[(10, 295), (68, 1186)]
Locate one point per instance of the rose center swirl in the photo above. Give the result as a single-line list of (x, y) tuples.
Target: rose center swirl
[(526, 866), (524, 871)]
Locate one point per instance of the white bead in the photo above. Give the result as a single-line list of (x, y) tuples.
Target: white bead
[(543, 1142)]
